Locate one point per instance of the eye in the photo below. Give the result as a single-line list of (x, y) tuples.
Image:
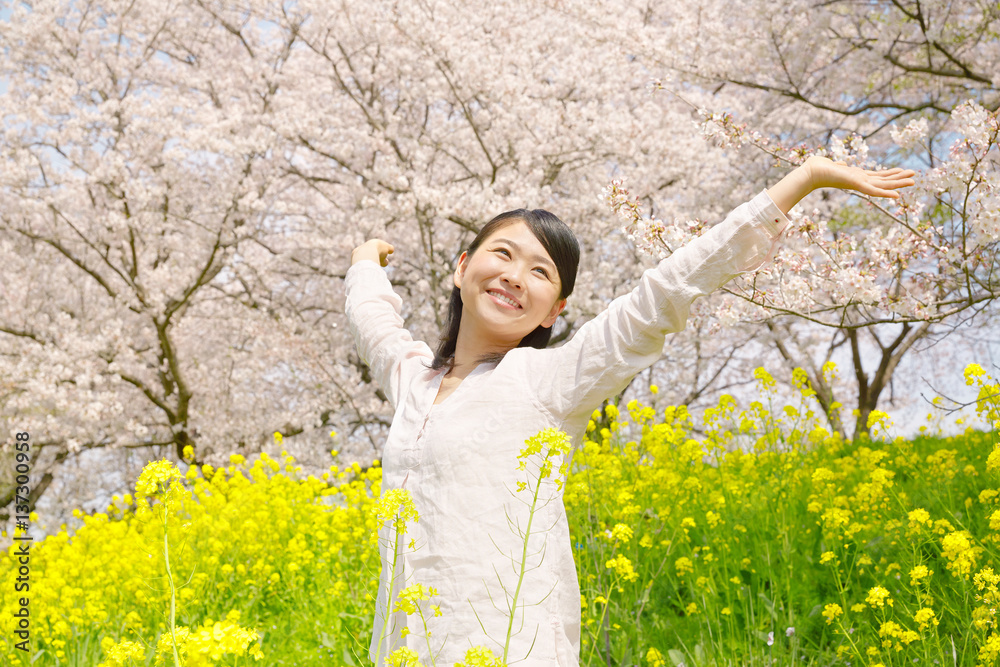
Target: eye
[(503, 250), (543, 271)]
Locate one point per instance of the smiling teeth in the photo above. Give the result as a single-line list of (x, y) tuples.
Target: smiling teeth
[(506, 299)]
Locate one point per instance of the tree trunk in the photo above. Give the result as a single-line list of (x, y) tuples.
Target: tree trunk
[(870, 387)]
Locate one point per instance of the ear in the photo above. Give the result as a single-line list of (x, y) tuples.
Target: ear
[(460, 269), (553, 315)]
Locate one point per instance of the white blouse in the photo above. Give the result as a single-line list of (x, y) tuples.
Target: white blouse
[(458, 459)]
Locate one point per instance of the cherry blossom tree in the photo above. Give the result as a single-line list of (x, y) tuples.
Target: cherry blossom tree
[(912, 83), (135, 177), (182, 184)]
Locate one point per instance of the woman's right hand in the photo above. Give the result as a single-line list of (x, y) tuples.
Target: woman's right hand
[(376, 250)]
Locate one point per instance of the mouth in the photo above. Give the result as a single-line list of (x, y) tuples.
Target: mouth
[(504, 299)]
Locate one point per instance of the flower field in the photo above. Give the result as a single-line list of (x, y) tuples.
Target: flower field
[(749, 537)]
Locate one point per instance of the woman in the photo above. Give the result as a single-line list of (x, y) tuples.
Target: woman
[(463, 415)]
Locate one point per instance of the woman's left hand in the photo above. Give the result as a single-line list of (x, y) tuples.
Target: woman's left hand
[(825, 173)]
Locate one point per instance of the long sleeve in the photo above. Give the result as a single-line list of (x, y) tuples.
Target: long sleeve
[(373, 313), (627, 337)]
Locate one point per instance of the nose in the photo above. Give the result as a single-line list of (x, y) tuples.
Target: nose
[(512, 277)]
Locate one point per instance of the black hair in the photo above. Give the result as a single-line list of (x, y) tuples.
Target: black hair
[(561, 244)]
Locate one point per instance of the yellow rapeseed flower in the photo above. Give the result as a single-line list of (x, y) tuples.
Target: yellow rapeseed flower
[(622, 567), (880, 418), (878, 597), (764, 378), (403, 657), (621, 532), (831, 612), (918, 573), (973, 371), (800, 380), (549, 444), (156, 477), (958, 549), (823, 475), (925, 618), (480, 656), (207, 644), (121, 654), (890, 630), (993, 460), (990, 650), (829, 371), (986, 580), (395, 505), (919, 519), (410, 597)]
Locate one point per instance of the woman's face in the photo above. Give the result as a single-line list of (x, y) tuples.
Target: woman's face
[(509, 286)]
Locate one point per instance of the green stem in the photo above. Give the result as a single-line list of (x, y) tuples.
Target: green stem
[(427, 636), (170, 581), (520, 576), (600, 622), (388, 594), (847, 634)]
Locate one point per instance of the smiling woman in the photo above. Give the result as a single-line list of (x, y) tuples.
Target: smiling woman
[(463, 415), (532, 263)]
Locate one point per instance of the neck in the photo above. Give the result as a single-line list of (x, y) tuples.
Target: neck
[(472, 345)]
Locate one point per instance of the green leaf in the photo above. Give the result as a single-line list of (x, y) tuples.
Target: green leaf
[(768, 604)]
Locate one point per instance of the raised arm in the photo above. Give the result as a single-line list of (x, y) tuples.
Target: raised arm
[(373, 313), (607, 352), (820, 172)]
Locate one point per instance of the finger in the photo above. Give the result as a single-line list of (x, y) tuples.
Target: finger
[(884, 192), (897, 183), (902, 177), (879, 192), (895, 172)]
